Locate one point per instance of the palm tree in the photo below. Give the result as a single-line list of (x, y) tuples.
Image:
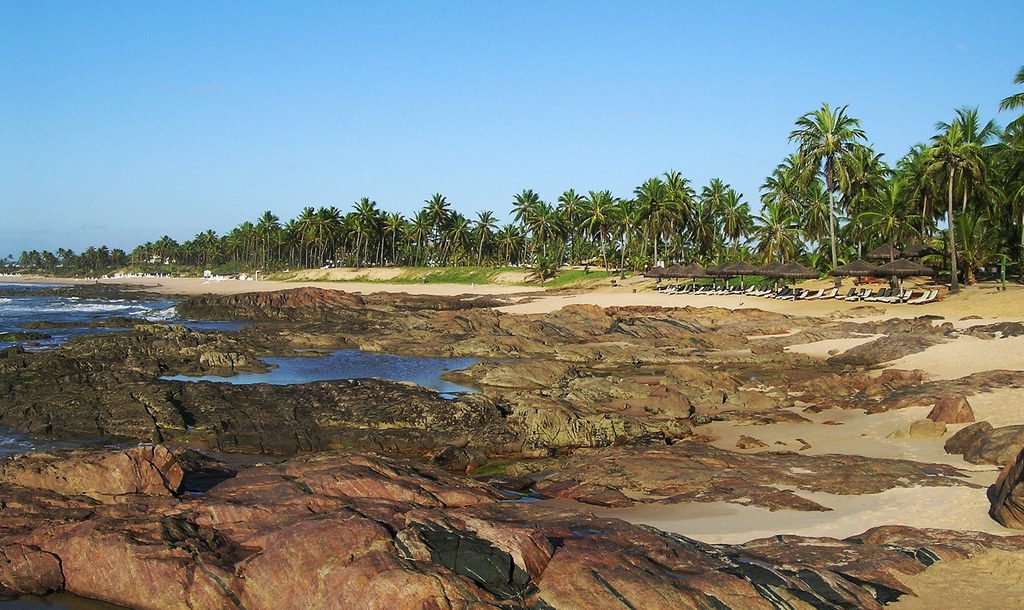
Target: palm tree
[(364, 224), (266, 228), (947, 156), (510, 240), (457, 237), (736, 218), (976, 137), (660, 210), (570, 205), (439, 212), (599, 217), (484, 229), (1015, 101), (419, 232), (777, 233), (890, 215), (394, 225), (978, 240), (826, 138), (914, 170)]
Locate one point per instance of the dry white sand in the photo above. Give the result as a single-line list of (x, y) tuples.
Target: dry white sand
[(994, 579), (193, 286), (961, 508), (966, 355)]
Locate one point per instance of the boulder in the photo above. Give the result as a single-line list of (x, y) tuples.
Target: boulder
[(954, 409), (108, 476), (980, 443), (749, 442), (926, 428), (1008, 499)]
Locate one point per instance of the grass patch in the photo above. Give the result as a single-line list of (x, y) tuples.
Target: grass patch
[(496, 468)]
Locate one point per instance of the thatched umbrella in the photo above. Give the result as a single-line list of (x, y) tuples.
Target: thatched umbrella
[(901, 268), (674, 272), (796, 271), (885, 252), (723, 270), (693, 270), (917, 249), (743, 269), (771, 269), (858, 268), (655, 272)]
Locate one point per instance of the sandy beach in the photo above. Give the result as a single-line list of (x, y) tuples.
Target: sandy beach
[(983, 303)]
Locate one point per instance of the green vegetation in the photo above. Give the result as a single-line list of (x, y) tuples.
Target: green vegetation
[(829, 202)]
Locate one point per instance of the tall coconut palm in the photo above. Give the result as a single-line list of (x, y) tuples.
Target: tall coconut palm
[(948, 155), (419, 232), (783, 186), (394, 226), (267, 226), (364, 224), (920, 184), (660, 210), (736, 218), (826, 138), (890, 215), (976, 137), (570, 206), (511, 241), (484, 229), (776, 233), (1015, 101), (599, 218)]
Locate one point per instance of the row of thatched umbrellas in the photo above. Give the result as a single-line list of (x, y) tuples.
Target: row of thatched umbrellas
[(896, 267)]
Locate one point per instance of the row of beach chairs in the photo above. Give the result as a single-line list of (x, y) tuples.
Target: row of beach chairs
[(788, 293)]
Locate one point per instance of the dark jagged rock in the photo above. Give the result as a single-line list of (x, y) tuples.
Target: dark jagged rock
[(11, 337)]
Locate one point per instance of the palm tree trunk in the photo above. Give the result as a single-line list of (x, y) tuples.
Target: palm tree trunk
[(954, 281), (831, 215), (604, 251)]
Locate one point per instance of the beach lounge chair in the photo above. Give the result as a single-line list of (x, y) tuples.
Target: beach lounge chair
[(928, 298), (860, 294), (896, 297), (808, 295), (880, 294), (849, 294), (829, 294)]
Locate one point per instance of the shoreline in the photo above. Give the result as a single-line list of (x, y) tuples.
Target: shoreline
[(981, 302)]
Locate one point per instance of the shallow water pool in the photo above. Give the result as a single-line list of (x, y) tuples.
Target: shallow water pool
[(352, 364)]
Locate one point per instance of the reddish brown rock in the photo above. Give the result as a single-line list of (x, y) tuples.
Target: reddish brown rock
[(749, 442), (146, 469), (1008, 500), (953, 409), (337, 530), (980, 443), (29, 570)]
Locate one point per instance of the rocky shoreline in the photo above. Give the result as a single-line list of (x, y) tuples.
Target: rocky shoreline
[(427, 495)]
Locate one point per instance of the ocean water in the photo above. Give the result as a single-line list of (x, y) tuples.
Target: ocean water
[(24, 303), (28, 303), (352, 364)]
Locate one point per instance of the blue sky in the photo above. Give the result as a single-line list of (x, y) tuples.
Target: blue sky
[(126, 121)]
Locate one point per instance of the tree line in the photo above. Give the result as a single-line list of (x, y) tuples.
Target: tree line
[(961, 192)]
